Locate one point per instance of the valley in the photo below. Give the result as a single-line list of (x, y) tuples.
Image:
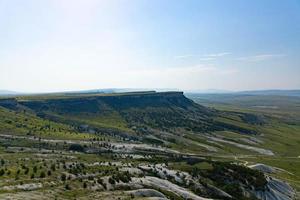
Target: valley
[(149, 145)]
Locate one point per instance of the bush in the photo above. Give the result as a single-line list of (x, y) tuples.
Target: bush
[(34, 169), (2, 172), (26, 170), (2, 162), (76, 147), (53, 167), (84, 185), (111, 180), (42, 175), (63, 177), (100, 181), (67, 187)]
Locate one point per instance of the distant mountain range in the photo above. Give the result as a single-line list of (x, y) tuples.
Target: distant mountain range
[(209, 91), (295, 93), (8, 92), (275, 92), (92, 91), (122, 90)]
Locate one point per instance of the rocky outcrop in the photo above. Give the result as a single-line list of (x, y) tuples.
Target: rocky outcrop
[(276, 190)]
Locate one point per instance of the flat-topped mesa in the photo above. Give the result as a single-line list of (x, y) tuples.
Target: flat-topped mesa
[(167, 93), (10, 103), (142, 100), (59, 96), (139, 94), (160, 110), (97, 102)]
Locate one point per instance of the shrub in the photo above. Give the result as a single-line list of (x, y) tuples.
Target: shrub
[(100, 181), (111, 180), (67, 187), (34, 169), (76, 147), (2, 162), (26, 170), (63, 177), (42, 175), (2, 172)]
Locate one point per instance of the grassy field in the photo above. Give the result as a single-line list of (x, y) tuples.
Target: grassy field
[(281, 133)]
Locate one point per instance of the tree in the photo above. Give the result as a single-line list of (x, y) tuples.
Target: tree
[(26, 170), (2, 172), (34, 169), (42, 175), (63, 177), (76, 147), (111, 180), (53, 167), (84, 185), (67, 187)]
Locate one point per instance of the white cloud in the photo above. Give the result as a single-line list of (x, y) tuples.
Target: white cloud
[(217, 54), (203, 57), (103, 71), (261, 57), (185, 56)]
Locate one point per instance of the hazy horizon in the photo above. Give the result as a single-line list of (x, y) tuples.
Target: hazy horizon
[(52, 46), (117, 90)]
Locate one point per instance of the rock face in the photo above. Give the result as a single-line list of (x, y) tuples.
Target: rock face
[(101, 103), (167, 185), (263, 168), (243, 146), (276, 190), (26, 187), (147, 193), (158, 110)]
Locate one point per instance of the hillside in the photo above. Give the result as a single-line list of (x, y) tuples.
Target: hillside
[(169, 111), (127, 141)]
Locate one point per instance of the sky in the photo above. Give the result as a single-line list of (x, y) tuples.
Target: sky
[(60, 45)]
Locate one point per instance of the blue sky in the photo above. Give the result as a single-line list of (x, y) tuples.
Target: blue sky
[(59, 45)]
